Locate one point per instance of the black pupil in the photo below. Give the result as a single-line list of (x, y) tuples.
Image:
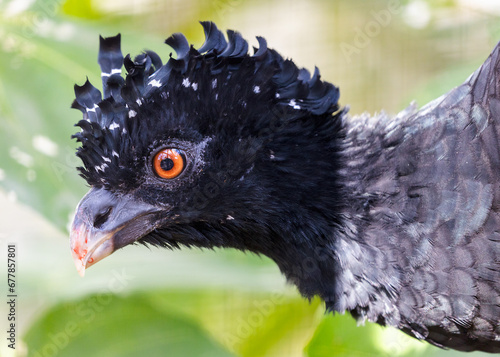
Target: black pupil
[(167, 164)]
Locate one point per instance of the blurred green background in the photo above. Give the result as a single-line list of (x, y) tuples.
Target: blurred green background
[(381, 53)]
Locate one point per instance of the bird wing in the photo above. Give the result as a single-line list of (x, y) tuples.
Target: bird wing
[(449, 208), (429, 182)]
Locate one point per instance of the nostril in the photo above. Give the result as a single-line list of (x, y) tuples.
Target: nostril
[(101, 218)]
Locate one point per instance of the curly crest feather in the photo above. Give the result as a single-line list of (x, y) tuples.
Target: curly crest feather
[(218, 73)]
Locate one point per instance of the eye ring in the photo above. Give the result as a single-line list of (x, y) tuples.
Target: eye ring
[(169, 163)]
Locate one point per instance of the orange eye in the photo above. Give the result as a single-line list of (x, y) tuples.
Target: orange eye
[(168, 163)]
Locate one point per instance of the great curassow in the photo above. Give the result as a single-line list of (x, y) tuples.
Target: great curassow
[(395, 219)]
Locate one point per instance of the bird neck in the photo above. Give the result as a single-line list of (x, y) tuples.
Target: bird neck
[(369, 277), (339, 267)]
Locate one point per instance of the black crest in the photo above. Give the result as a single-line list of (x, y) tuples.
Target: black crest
[(217, 78)]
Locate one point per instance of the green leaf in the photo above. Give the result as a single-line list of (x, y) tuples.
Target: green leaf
[(340, 335), (250, 323), (108, 325), (287, 326)]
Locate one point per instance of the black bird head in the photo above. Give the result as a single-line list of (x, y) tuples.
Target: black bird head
[(215, 148)]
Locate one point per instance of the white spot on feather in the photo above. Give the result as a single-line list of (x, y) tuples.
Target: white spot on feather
[(195, 86), (294, 104), (229, 217), (21, 157), (214, 83), (256, 89), (132, 113), (107, 159), (114, 125), (101, 168), (216, 96), (186, 83), (114, 153), (44, 145), (249, 170), (93, 108), (139, 101), (155, 83)]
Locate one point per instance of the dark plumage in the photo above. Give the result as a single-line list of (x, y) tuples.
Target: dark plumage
[(394, 219)]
